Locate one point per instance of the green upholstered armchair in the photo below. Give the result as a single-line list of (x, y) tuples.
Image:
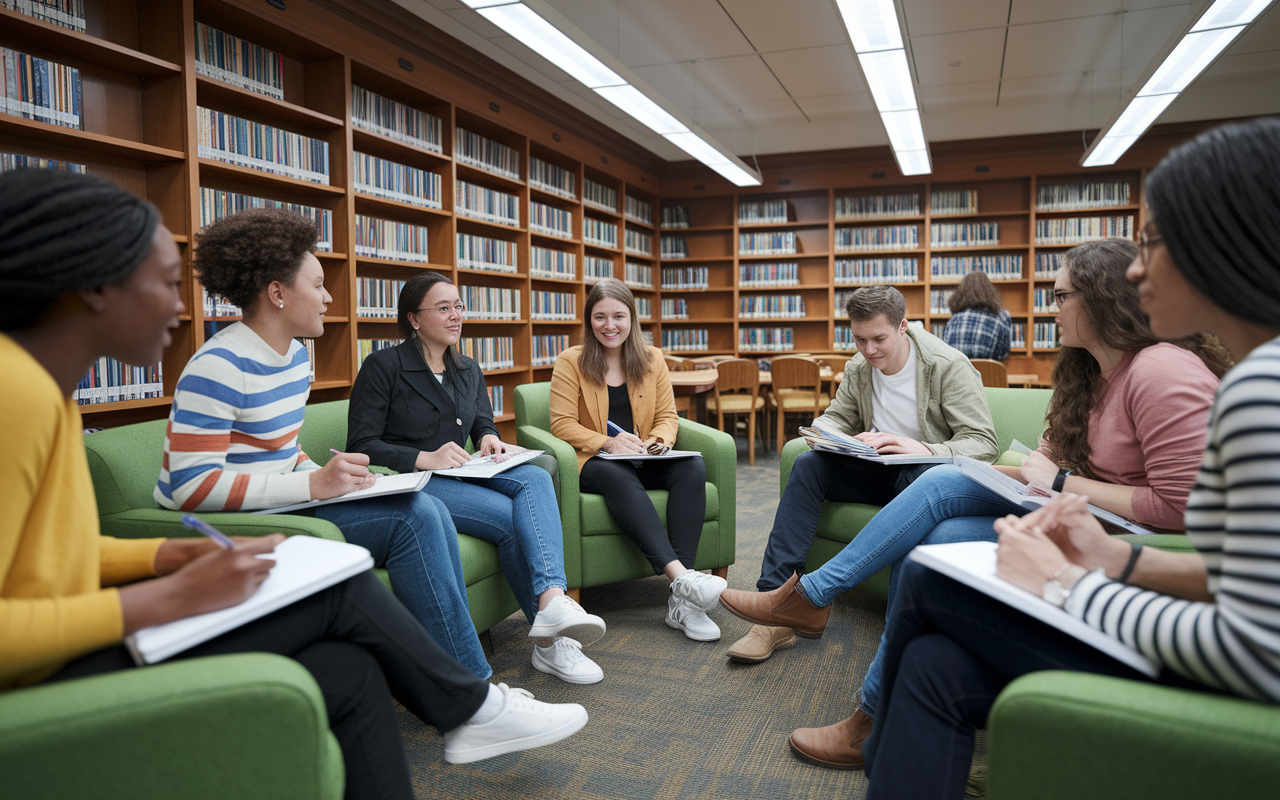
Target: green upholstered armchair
[(244, 726), (125, 463), (595, 549)]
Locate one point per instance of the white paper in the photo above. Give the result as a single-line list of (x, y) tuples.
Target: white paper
[(486, 467), (648, 457), (403, 483)]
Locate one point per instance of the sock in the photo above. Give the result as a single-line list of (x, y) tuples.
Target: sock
[(490, 709)]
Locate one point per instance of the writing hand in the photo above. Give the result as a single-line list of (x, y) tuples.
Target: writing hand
[(447, 456), (345, 472), (891, 444), (624, 443)]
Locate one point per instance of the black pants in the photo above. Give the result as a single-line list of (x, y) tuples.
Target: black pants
[(817, 476), (363, 647), (623, 486)]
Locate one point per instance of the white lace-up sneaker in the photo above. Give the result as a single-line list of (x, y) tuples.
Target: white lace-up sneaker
[(522, 724), (699, 588), (685, 616), (564, 617), (565, 660)]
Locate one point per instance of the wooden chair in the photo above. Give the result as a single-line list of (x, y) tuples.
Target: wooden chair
[(836, 365), (993, 373), (738, 392), (796, 389), (684, 403)]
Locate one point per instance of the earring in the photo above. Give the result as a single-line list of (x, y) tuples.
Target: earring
[(282, 304)]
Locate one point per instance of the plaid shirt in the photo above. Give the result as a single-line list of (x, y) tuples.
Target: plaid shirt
[(978, 334)]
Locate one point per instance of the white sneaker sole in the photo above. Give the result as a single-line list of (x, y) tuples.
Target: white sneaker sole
[(686, 632), (578, 679), (588, 632), (567, 729)]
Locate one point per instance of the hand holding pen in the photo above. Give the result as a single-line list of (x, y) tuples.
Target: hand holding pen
[(621, 441)]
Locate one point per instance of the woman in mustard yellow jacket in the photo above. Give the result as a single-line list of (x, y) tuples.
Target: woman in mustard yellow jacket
[(614, 382)]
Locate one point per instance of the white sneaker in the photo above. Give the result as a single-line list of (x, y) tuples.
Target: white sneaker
[(522, 724), (564, 617), (685, 616), (565, 660), (699, 588)]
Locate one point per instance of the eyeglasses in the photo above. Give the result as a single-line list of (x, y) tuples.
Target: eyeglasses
[(1059, 296), (1145, 243), (444, 310)]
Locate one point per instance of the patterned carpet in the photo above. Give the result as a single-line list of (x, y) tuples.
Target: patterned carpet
[(675, 718)]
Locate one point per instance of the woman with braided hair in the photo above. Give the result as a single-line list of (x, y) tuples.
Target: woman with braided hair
[(88, 270)]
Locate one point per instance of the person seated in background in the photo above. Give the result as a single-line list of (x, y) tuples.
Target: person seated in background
[(412, 408), (979, 326), (613, 378), (87, 270), (1126, 425), (1209, 261), (232, 439), (905, 391)]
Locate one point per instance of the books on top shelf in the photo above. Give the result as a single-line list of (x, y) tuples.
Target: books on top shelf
[(761, 340), (762, 212), (1075, 230), (395, 181), (489, 302), (484, 252), (597, 195), (490, 352), (10, 161), (998, 268), (553, 305), (487, 205), (637, 210), (495, 399), (385, 238), (112, 381), (381, 115), (63, 13), (215, 305), (45, 91), (685, 278), (1048, 264), (366, 347), (952, 202), (685, 339), (224, 137), (217, 203), (550, 221), (596, 268), (883, 237), (771, 306), (877, 206), (1074, 196), (545, 262), (644, 309), (964, 234), (1044, 302), (938, 300), (484, 153), (599, 233), (673, 247), (1045, 335), (675, 308), (675, 217), (638, 276), (547, 347), (768, 275), (239, 62), (378, 298), (547, 177), (781, 243), (856, 271), (638, 242)]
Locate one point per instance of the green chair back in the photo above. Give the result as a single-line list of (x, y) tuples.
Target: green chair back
[(125, 465), (1018, 414)]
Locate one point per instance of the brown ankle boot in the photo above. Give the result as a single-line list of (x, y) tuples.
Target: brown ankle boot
[(760, 643), (836, 746), (783, 607)]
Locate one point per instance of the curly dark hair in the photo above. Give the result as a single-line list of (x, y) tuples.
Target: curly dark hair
[(975, 291), (240, 255), (1109, 303)]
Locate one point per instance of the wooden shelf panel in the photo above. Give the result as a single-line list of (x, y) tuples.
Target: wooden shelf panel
[(84, 140), (265, 180), (85, 48), (210, 90)]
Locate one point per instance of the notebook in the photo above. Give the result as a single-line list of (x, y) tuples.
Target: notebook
[(833, 442), (647, 456), (486, 467), (385, 485), (304, 565)]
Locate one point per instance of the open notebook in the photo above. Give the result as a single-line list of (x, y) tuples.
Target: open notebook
[(833, 442), (304, 566), (385, 485)]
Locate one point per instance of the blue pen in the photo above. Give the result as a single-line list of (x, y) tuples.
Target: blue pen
[(196, 524), (612, 427)]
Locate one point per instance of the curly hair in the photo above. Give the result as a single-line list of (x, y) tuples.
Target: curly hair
[(635, 355), (240, 255), (1109, 304), (975, 291)]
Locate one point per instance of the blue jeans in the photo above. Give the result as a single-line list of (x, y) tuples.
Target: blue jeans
[(413, 536), (940, 506), (517, 511)]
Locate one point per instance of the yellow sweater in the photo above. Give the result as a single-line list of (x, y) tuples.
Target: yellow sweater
[(53, 563)]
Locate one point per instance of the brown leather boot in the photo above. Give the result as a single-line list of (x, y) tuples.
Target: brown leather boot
[(836, 746), (760, 643), (783, 607)]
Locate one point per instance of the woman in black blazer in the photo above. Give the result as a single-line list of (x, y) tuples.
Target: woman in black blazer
[(412, 408)]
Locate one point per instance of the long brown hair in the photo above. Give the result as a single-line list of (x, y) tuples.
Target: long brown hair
[(1110, 305), (975, 291), (635, 354)]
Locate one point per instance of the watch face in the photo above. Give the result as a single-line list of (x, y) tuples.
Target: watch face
[(1052, 593)]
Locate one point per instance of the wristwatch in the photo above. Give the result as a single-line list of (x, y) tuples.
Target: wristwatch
[(1053, 591), (1061, 479)]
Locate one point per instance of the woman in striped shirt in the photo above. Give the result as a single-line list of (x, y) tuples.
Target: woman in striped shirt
[(1210, 261)]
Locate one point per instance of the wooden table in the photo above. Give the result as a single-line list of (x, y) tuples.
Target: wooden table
[(824, 373), (1029, 379), (694, 383)]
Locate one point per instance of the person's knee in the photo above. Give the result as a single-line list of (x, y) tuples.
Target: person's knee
[(431, 512), (807, 467), (693, 470), (348, 676)]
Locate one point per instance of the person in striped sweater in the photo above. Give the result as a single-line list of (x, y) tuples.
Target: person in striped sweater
[(1209, 261)]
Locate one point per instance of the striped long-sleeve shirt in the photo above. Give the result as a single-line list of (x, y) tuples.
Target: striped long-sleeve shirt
[(1233, 519), (232, 439)]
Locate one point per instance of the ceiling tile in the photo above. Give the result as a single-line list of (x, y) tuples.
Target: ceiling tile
[(476, 23), (663, 31), (718, 82), (600, 21), (1068, 46), (976, 53), (850, 106), (774, 26), (1026, 11), (818, 71), (1235, 86), (1145, 32), (1263, 35), (532, 60), (749, 114), (935, 97), (925, 17)]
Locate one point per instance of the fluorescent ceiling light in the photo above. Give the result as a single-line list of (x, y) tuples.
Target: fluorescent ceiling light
[(693, 144), (1109, 149), (488, 3), (650, 114), (547, 41), (1140, 114), (913, 162), (735, 174), (1225, 13), (890, 79), (872, 24), (1195, 52), (904, 129)]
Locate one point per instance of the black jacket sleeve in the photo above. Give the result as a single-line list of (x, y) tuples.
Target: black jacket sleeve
[(367, 415)]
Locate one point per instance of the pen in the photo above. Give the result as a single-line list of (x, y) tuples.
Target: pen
[(196, 524), (335, 452)]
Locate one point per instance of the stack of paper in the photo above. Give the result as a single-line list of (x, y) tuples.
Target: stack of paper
[(834, 442)]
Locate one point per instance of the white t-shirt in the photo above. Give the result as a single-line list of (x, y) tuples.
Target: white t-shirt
[(893, 399)]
